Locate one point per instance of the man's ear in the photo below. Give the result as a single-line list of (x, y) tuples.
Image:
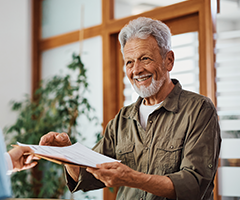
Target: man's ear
[(169, 60)]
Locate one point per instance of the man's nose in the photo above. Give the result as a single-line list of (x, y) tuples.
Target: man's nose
[(137, 67)]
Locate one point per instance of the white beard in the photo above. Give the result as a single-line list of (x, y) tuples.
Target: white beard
[(149, 90)]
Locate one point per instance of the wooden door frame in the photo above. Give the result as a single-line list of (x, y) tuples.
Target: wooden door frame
[(187, 16)]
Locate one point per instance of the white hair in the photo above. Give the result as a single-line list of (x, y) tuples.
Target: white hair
[(142, 28)]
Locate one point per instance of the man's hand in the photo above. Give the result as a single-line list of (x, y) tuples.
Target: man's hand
[(60, 140), (114, 174), (20, 160), (55, 139)]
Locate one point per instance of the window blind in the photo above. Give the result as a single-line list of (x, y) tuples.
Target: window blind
[(228, 106)]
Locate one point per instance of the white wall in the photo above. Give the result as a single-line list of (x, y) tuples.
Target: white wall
[(15, 56)]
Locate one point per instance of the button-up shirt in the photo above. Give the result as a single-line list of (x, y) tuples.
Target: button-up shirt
[(182, 141)]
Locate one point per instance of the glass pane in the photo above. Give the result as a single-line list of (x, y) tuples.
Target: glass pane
[(186, 68), (54, 62), (228, 97), (125, 8), (62, 16), (228, 64)]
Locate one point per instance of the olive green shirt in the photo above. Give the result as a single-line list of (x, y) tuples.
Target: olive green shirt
[(181, 141)]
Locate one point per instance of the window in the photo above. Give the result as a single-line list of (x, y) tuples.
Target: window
[(61, 17), (228, 97)]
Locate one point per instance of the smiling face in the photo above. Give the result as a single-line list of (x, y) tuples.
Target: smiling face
[(145, 67)]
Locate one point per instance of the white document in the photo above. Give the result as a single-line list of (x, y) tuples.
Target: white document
[(76, 154)]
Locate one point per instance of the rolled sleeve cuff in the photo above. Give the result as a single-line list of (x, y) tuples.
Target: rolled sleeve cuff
[(86, 182), (185, 185), (69, 181)]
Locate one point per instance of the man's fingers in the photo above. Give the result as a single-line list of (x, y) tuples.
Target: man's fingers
[(102, 168), (63, 139), (55, 139), (109, 165), (90, 169), (95, 172), (62, 136), (48, 138)]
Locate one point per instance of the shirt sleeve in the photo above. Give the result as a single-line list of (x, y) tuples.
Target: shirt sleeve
[(9, 163), (200, 156), (86, 180)]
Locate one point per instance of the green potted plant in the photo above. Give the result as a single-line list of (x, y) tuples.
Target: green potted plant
[(57, 104)]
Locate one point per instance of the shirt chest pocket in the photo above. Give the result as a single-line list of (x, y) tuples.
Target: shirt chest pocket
[(168, 159), (124, 152)]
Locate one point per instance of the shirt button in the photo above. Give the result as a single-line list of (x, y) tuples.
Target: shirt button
[(171, 147), (210, 166), (146, 148), (120, 151), (141, 199), (151, 122)]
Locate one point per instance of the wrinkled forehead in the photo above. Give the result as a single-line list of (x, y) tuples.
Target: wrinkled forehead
[(139, 45)]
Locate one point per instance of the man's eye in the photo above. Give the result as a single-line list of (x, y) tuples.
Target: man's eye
[(128, 63), (146, 58)]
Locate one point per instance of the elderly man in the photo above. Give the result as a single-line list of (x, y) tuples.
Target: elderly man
[(168, 141)]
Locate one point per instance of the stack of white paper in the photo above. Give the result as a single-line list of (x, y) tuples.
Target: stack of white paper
[(75, 154)]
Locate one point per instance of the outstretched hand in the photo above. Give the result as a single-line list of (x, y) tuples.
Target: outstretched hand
[(21, 158), (114, 174), (55, 139), (60, 140)]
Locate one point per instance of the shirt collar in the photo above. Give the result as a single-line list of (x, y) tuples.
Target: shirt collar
[(171, 103), (134, 113)]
